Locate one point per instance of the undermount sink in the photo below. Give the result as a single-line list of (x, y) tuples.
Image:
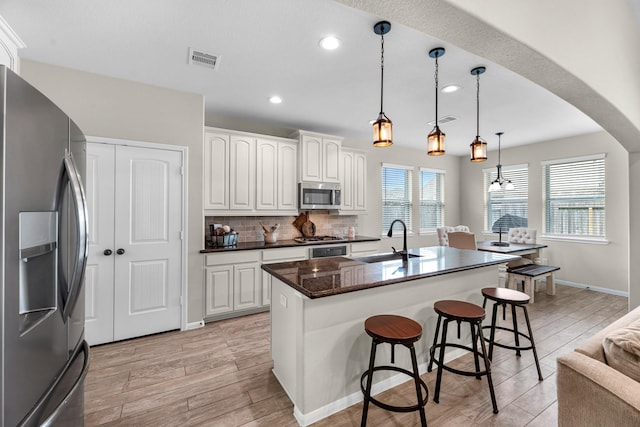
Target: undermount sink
[(384, 257)]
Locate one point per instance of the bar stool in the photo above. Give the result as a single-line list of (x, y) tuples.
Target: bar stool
[(503, 297), (460, 311), (392, 329)]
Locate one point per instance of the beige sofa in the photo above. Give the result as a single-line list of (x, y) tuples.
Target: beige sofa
[(593, 393)]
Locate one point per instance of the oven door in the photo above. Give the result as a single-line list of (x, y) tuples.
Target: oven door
[(328, 251)]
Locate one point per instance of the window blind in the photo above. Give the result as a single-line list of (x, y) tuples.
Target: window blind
[(507, 209), (574, 196), (431, 189), (396, 195)]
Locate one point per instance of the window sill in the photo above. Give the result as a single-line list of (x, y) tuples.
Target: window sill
[(576, 239)]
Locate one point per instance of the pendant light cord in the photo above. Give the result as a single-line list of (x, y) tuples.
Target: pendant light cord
[(478, 109), (381, 70), (436, 79)]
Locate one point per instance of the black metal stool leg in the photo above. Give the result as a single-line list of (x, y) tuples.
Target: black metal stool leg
[(443, 342), (474, 344), (367, 394), (492, 335), (533, 344), (416, 378), (487, 364), (435, 341), (515, 329)]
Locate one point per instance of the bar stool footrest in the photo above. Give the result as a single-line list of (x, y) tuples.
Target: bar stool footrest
[(454, 370), (392, 407), (510, 347)]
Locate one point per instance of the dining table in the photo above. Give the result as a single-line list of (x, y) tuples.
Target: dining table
[(528, 250)]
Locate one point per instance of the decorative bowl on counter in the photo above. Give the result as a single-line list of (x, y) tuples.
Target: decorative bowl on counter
[(229, 239), (271, 237)]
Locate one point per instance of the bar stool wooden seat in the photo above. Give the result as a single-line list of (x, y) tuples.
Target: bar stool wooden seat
[(460, 311), (392, 329), (503, 297)]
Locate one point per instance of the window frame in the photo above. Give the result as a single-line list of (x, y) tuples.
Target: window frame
[(440, 204), (409, 193), (546, 201), (487, 178)]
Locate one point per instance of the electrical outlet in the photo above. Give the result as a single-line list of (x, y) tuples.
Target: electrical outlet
[(283, 301)]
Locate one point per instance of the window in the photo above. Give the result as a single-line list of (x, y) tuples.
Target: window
[(431, 185), (574, 196), (506, 209), (396, 195)]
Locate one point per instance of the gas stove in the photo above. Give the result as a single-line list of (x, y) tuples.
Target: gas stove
[(318, 239)]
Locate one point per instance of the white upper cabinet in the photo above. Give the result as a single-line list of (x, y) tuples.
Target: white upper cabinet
[(9, 45), (216, 170), (249, 174), (353, 177), (242, 170), (319, 157)]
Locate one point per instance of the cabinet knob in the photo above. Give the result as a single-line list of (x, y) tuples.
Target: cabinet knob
[(120, 251), (107, 252)]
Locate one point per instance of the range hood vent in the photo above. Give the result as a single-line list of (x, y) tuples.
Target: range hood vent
[(202, 59), (442, 120)]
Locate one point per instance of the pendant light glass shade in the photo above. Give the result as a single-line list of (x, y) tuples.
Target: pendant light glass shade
[(500, 183), (382, 131), (435, 140), (478, 146), (382, 127)]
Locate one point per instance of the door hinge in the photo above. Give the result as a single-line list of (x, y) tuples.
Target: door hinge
[(181, 235), (182, 170)]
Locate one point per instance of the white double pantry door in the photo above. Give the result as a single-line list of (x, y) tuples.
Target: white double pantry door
[(133, 280)]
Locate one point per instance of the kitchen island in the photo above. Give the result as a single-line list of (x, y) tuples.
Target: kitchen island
[(318, 343)]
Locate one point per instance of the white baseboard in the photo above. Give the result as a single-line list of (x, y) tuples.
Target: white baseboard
[(195, 325), (353, 398), (592, 288)]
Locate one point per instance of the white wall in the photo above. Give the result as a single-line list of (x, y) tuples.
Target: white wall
[(598, 265), (115, 108)]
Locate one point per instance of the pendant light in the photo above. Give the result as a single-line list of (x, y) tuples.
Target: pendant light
[(500, 183), (435, 140), (382, 127), (478, 146)]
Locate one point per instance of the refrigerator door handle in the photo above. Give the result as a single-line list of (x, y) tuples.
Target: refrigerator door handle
[(41, 404), (80, 203)]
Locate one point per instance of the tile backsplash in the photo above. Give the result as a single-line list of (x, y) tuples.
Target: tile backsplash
[(249, 230)]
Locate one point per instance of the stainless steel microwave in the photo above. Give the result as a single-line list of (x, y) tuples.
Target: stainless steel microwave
[(319, 195)]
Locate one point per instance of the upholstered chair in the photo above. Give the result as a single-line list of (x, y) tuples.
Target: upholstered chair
[(443, 238), (522, 235), (462, 240)]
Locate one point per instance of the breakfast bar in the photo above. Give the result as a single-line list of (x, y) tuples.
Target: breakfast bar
[(318, 343)]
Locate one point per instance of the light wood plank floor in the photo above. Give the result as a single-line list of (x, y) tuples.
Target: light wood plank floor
[(220, 375)]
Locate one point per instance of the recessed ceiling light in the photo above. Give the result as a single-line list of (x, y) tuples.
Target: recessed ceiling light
[(451, 88), (330, 43), (275, 99)]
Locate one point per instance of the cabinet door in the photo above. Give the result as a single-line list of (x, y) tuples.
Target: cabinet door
[(266, 288), (311, 159), (218, 290), (267, 175), (331, 160), (243, 173), (359, 182), (216, 171), (246, 286), (346, 177), (287, 170)]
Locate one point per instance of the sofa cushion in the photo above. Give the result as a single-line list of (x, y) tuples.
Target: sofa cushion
[(622, 350)]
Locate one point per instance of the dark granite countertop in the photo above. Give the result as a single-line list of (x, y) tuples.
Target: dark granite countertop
[(321, 277), (244, 246)]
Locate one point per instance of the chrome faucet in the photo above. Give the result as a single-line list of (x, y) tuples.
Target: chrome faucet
[(403, 252)]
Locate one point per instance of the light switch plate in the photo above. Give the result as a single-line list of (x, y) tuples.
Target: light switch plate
[(283, 301)]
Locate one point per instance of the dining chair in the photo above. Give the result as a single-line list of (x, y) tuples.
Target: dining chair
[(462, 240), (522, 235), (443, 233)]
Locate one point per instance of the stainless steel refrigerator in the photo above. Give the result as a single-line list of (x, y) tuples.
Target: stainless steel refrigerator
[(43, 246)]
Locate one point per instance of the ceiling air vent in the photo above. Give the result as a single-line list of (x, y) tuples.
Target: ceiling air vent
[(197, 57), (442, 120)]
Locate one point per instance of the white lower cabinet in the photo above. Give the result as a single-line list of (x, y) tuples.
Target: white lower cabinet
[(365, 249), (235, 283), (232, 282)]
